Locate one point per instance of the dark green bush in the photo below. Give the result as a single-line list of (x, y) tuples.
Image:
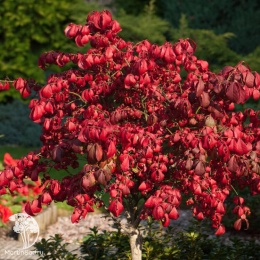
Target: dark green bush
[(16, 126), (54, 248), (195, 243)]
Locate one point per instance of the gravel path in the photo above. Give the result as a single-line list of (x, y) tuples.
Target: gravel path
[(72, 233)]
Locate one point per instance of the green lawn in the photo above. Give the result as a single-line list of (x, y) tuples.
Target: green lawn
[(15, 151)]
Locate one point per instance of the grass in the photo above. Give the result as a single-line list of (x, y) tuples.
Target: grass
[(15, 151)]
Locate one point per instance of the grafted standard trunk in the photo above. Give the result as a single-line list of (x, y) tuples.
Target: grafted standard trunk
[(136, 244)]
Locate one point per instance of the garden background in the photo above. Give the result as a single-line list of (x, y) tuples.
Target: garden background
[(226, 32)]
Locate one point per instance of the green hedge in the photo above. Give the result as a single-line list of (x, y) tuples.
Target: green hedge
[(16, 128)]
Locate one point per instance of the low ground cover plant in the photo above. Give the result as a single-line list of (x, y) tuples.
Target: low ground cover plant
[(194, 243), (151, 124)]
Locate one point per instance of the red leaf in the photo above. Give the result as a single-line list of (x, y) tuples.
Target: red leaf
[(232, 164), (105, 19), (150, 202), (220, 208), (125, 164), (4, 86), (109, 53), (46, 91), (174, 214), (57, 153), (115, 26), (49, 108), (71, 30), (37, 113), (101, 177), (238, 200), (149, 153), (75, 217), (22, 85), (145, 186), (200, 216), (204, 99), (111, 150), (125, 189), (3, 179), (240, 147), (169, 55), (158, 212), (200, 168), (232, 145), (256, 94), (8, 160), (91, 153), (200, 87), (82, 137), (166, 220), (116, 207), (188, 164), (78, 41), (87, 94), (227, 69), (249, 79), (12, 185), (46, 198), (9, 174), (71, 126), (176, 137), (88, 180), (220, 231), (238, 224), (236, 93), (257, 79), (34, 207), (99, 152), (55, 187), (157, 176)]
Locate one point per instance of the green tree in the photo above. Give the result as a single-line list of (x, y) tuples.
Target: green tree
[(145, 25), (30, 27), (223, 30), (210, 46), (240, 17)]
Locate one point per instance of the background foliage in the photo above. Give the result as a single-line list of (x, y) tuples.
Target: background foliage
[(226, 29), (30, 27), (239, 17), (16, 126)]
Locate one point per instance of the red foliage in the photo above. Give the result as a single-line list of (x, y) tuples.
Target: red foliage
[(147, 134), (9, 160), (28, 190), (5, 213)]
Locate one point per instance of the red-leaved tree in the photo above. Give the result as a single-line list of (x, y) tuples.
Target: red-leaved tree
[(150, 122)]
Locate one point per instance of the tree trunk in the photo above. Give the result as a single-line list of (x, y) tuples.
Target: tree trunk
[(136, 244)]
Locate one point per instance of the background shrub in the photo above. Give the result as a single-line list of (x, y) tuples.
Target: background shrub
[(16, 126), (194, 243)]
